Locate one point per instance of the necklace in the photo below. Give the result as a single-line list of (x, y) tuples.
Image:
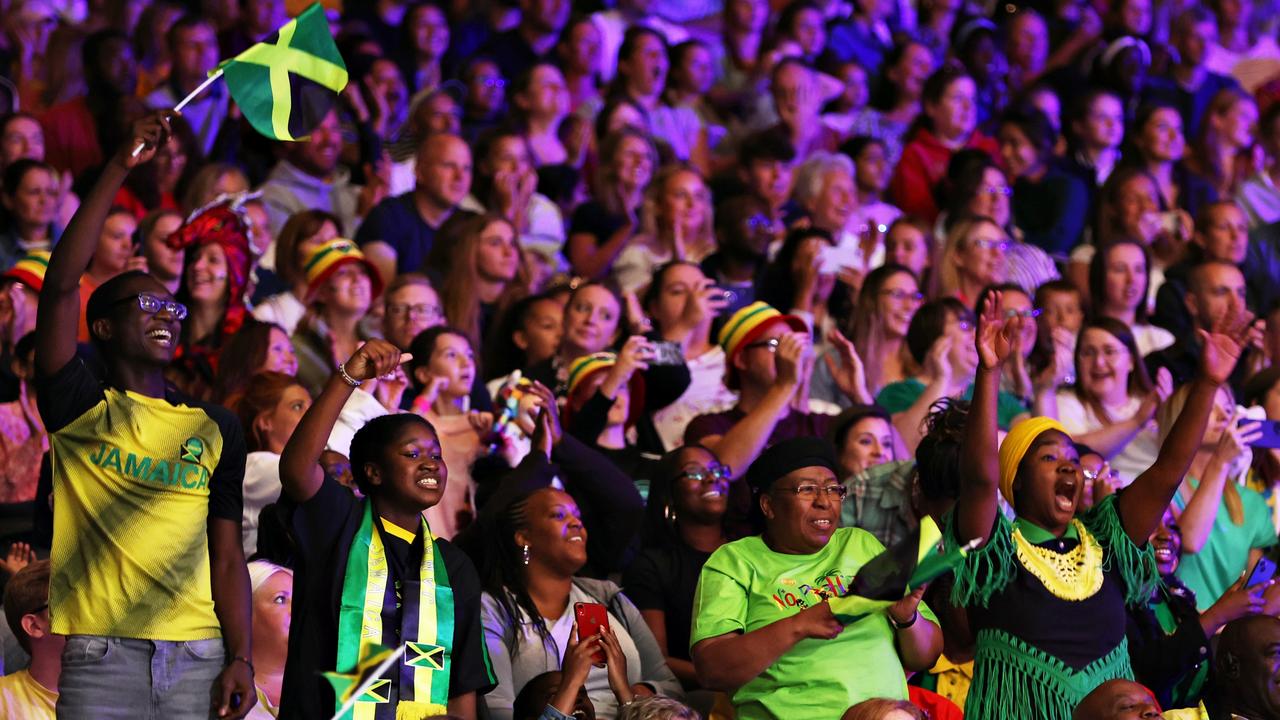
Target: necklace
[(1072, 576)]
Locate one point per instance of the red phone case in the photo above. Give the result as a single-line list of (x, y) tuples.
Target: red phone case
[(591, 617)]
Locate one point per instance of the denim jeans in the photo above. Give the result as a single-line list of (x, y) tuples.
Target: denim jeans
[(104, 678)]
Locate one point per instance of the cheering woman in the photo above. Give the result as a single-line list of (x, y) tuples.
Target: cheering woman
[(370, 568), (1046, 592)]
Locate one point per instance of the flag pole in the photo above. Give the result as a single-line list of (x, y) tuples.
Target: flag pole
[(185, 101), (374, 676)]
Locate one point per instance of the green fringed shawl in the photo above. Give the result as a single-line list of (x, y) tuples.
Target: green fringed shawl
[(1014, 681), (988, 570)]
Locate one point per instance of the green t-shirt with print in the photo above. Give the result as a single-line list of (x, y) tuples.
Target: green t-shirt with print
[(745, 586)]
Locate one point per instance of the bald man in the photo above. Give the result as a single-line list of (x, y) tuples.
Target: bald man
[(1118, 700), (399, 232)]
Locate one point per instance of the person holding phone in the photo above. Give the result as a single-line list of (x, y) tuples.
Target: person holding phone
[(530, 563), (1046, 592), (1226, 527), (1168, 638), (762, 628), (399, 468)]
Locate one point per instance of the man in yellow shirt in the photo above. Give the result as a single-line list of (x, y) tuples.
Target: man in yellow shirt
[(31, 693)]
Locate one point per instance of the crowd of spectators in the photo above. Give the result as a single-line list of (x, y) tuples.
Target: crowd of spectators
[(663, 316)]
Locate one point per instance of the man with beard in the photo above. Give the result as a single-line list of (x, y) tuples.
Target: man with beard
[(308, 177)]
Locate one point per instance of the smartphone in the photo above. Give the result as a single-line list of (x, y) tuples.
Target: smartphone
[(830, 259), (591, 617), (1270, 433), (1263, 570), (667, 353), (1169, 223)]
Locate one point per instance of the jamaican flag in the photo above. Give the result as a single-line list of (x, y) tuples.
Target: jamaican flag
[(286, 84), (900, 569)]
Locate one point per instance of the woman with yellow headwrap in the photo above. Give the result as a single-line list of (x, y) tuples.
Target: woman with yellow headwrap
[(1045, 594)]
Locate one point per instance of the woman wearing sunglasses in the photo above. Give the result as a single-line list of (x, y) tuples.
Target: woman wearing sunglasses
[(762, 628), (683, 525)]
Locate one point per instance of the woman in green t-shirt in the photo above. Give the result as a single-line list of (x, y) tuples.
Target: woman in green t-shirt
[(762, 628), (1226, 527)]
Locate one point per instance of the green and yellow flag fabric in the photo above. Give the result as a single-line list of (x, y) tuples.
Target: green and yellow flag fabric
[(286, 84)]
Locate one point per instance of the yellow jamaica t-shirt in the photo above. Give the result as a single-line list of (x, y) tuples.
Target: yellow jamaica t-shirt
[(135, 481)]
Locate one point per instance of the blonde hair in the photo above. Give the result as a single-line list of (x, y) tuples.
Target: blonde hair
[(957, 239), (696, 248), (1170, 411)]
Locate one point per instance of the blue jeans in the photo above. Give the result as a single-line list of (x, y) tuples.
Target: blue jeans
[(104, 678)]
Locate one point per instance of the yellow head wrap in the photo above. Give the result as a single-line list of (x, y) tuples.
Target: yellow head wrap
[(1016, 444)]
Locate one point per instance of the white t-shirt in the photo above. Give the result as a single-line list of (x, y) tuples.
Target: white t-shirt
[(283, 309), (706, 394), (1150, 338), (1131, 461), (261, 488)]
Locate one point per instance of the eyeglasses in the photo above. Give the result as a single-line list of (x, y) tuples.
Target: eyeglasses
[(809, 491), (1029, 313), (998, 190), (150, 304), (985, 244), (771, 344), (700, 475), (899, 295), (1094, 475), (1110, 352), (759, 222), (399, 310)]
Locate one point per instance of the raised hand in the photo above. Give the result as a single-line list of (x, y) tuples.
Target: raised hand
[(374, 359), (997, 336), (791, 351), (851, 374), (1222, 345), (19, 556), (151, 131), (936, 364)]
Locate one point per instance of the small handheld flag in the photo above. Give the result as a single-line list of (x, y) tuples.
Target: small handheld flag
[(286, 84), (900, 569)]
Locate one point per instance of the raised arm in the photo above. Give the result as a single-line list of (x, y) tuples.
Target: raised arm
[(1197, 519), (976, 507), (1142, 504), (300, 472), (744, 442), (58, 314)]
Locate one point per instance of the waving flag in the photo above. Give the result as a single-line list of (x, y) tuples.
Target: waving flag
[(286, 84), (889, 576)]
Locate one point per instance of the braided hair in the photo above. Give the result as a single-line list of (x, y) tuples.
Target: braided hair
[(502, 573)]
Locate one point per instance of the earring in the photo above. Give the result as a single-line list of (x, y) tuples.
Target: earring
[(668, 514), (524, 554)]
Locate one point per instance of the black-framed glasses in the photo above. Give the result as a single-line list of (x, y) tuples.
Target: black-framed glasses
[(700, 474), (809, 491), (152, 304)]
